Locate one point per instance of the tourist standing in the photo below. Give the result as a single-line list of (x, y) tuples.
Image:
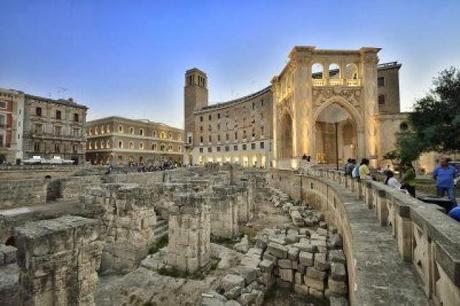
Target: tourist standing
[(444, 174), (364, 172), (408, 178), (349, 166), (390, 180)]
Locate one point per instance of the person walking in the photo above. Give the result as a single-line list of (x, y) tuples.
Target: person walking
[(445, 174), (408, 178)]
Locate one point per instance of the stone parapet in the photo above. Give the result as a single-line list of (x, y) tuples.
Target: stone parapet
[(375, 260), (17, 193), (58, 261)]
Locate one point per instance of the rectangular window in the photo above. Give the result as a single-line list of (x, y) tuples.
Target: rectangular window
[(253, 146), (201, 118), (209, 138), (58, 115), (209, 149), (1, 141), (75, 148), (262, 145), (218, 137), (201, 139), (218, 115), (209, 117), (244, 147), (58, 130), (189, 139), (380, 81), (37, 147), (236, 135), (218, 149), (227, 137), (57, 148), (75, 117), (38, 111), (235, 148), (381, 99), (2, 104), (2, 121), (227, 148), (38, 129), (201, 150)]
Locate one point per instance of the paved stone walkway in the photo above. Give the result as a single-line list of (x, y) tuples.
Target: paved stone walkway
[(382, 277)]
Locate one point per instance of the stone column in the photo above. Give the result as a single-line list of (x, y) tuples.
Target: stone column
[(369, 62), (189, 233), (58, 261)]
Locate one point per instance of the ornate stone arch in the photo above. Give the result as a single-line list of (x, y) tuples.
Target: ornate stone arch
[(354, 113)]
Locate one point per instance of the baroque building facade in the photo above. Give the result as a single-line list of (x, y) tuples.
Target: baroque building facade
[(330, 105), (38, 126), (122, 141), (237, 131)]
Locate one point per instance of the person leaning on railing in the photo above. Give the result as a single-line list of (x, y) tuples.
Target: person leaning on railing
[(408, 178)]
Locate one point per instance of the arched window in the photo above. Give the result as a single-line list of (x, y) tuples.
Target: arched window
[(131, 145), (120, 129), (131, 130), (334, 71), (154, 147), (141, 132), (141, 146), (317, 71), (120, 144), (351, 71)]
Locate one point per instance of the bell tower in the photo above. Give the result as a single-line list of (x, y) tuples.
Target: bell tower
[(195, 98)]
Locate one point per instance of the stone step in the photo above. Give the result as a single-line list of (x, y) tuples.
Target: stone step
[(161, 229), (161, 222), (161, 235)]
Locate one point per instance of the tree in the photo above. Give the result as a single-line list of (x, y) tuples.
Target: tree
[(435, 121)]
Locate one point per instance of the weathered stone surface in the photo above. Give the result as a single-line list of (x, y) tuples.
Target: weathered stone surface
[(338, 272), (287, 275), (266, 265), (277, 250), (338, 301), (337, 256), (293, 253), (321, 263), (301, 289), (315, 274), (232, 285), (306, 258), (249, 274), (314, 283), (7, 254), (243, 245), (337, 287), (254, 297), (71, 245)]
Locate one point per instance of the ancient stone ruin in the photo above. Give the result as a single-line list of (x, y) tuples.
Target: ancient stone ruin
[(215, 236)]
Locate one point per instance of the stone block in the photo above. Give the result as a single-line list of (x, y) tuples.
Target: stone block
[(293, 253), (254, 297), (232, 285), (316, 293), (337, 287), (270, 257), (298, 278), (266, 265), (301, 289), (314, 283), (307, 247), (306, 259), (297, 218), (9, 254), (338, 272), (315, 274), (337, 256), (321, 263), (249, 274), (287, 275), (277, 250), (285, 264)]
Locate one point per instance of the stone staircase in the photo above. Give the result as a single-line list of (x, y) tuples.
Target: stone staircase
[(161, 229)]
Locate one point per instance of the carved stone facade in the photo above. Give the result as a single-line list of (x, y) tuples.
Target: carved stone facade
[(122, 141), (350, 96), (325, 106)]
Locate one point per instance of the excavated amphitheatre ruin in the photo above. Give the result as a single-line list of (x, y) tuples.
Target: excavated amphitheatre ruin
[(220, 236), (192, 236)]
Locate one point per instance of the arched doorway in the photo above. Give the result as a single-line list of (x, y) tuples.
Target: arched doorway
[(335, 135), (286, 148)]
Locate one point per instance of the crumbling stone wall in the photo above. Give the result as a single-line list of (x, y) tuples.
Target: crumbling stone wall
[(189, 233), (128, 221), (22, 193), (223, 202), (58, 260)]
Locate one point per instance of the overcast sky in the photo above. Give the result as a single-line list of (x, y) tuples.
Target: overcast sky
[(128, 58)]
